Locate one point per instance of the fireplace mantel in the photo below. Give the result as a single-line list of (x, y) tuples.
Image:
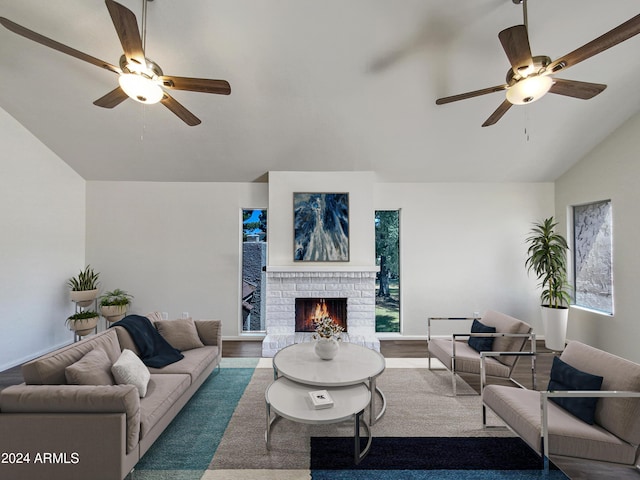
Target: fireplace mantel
[(321, 268)]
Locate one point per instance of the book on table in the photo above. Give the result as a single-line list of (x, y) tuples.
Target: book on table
[(321, 399)]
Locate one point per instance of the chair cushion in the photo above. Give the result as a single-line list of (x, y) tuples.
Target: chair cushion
[(481, 344), (467, 359), (129, 369), (506, 324), (181, 334), (565, 377), (568, 435), (92, 369)]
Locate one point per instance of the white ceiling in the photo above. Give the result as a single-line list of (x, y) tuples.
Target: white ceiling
[(318, 85)]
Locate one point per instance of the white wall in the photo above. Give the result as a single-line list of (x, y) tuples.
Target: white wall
[(174, 246), (42, 213), (463, 249), (611, 171), (359, 185)]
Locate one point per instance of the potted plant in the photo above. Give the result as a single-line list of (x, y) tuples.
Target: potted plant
[(547, 258), (113, 305), (84, 287), (83, 322)]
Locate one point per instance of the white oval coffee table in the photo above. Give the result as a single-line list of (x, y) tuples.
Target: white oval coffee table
[(290, 400), (354, 364)]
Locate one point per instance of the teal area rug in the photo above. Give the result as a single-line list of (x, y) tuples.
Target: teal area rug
[(186, 447)]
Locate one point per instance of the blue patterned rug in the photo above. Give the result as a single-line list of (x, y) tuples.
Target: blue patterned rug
[(428, 458)]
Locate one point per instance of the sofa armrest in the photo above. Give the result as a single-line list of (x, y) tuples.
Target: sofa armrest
[(75, 399), (210, 332)]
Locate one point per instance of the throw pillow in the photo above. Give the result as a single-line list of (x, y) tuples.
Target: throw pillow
[(130, 370), (565, 377), (92, 369), (481, 344), (181, 334)]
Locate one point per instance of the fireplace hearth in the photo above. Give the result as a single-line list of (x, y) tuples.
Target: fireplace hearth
[(309, 309)]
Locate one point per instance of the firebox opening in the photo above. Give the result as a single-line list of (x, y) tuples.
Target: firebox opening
[(307, 309)]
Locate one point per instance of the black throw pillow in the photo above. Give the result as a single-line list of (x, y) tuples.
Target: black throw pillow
[(481, 344), (565, 377)]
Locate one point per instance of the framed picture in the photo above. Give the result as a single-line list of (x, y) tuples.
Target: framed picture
[(321, 227)]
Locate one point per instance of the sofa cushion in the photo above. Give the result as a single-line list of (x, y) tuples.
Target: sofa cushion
[(481, 344), (163, 392), (92, 369), (568, 435), (565, 377), (193, 364), (49, 369), (621, 416), (181, 334), (130, 370)]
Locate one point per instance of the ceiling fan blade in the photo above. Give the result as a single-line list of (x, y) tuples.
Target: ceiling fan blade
[(185, 115), (475, 93), (610, 39), (515, 42), (112, 99), (203, 85), (47, 42), (126, 25), (576, 89), (497, 115)]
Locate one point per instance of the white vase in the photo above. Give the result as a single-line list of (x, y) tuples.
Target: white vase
[(84, 298), (327, 348), (554, 322)]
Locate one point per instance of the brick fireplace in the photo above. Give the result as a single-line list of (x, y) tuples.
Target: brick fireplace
[(285, 284)]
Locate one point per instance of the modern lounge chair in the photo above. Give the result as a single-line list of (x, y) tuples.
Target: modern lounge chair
[(605, 430), (494, 333)]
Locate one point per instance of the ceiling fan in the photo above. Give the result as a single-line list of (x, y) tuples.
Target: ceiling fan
[(530, 77), (139, 78)]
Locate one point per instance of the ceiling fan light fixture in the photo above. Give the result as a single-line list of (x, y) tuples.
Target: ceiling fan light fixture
[(529, 89), (140, 88)]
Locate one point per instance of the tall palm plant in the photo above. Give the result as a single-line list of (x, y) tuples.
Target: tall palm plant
[(548, 260)]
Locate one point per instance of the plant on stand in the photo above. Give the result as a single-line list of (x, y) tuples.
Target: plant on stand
[(83, 323), (114, 304), (327, 334), (547, 258), (84, 287)]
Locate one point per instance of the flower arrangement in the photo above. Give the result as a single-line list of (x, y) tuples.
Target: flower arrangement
[(326, 328)]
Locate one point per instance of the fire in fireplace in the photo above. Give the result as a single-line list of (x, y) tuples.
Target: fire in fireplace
[(308, 309)]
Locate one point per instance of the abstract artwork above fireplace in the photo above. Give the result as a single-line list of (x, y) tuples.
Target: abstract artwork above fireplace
[(321, 227)]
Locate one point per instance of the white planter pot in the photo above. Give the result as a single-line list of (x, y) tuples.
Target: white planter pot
[(113, 313), (84, 298), (85, 326), (554, 322), (327, 348)]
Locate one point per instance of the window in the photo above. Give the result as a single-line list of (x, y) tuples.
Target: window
[(388, 280), (254, 259), (592, 256)]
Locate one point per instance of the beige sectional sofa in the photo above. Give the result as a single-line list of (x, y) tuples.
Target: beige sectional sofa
[(97, 431)]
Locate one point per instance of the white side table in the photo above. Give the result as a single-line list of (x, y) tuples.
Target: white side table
[(290, 400)]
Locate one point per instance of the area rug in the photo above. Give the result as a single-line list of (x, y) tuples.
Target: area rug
[(219, 435)]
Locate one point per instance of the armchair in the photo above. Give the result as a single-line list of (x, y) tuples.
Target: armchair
[(550, 429), (509, 338)]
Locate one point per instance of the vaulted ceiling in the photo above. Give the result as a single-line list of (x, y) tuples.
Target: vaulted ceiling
[(332, 85)]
